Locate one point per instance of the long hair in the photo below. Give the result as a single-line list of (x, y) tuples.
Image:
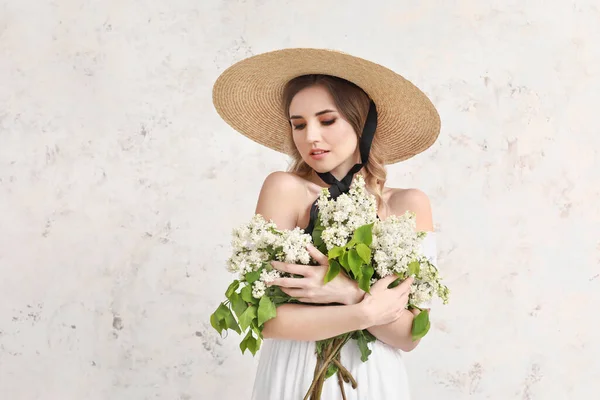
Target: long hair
[(353, 104)]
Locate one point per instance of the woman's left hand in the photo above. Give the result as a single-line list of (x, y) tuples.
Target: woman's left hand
[(311, 288)]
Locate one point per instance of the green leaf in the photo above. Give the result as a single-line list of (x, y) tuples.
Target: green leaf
[(370, 337), (238, 304), (222, 311), (253, 344), (266, 310), (320, 346), (414, 268), (364, 234), (250, 343), (362, 340), (364, 252), (218, 319), (256, 329), (252, 277), (232, 288), (246, 293), (332, 271), (335, 252), (244, 342), (277, 295), (395, 283), (420, 325), (355, 262), (331, 370), (231, 323), (344, 261), (364, 281), (219, 325), (247, 317)]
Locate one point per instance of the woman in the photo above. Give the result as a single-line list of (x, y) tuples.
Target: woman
[(336, 115)]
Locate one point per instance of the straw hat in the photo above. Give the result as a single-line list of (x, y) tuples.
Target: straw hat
[(248, 97)]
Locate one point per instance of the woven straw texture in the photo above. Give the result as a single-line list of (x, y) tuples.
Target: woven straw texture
[(248, 95)]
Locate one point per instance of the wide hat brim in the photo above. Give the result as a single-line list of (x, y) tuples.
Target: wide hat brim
[(248, 97)]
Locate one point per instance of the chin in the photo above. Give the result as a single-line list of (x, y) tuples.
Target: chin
[(320, 167)]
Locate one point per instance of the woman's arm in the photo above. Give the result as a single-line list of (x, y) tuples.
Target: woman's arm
[(311, 323), (306, 322), (398, 333), (280, 200)]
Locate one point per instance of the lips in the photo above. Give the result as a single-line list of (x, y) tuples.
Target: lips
[(318, 154)]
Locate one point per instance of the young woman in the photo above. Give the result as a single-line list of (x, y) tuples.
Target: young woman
[(336, 115)]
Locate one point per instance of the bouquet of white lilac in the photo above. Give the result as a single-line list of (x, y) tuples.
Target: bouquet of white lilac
[(255, 245), (368, 249), (356, 242)]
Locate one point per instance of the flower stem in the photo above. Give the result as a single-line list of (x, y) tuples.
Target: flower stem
[(341, 383), (348, 378), (330, 354)]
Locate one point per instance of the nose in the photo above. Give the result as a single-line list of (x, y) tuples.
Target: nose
[(313, 132)]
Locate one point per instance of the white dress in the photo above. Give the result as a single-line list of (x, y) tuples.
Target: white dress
[(286, 367)]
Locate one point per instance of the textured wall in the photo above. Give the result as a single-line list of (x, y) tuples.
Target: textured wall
[(119, 186)]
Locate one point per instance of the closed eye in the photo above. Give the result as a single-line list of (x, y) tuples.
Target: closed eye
[(299, 127)]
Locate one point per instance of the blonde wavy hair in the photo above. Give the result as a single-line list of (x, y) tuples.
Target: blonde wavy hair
[(353, 104)]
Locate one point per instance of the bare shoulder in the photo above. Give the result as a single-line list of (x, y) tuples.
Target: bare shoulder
[(282, 184), (278, 198), (415, 200)]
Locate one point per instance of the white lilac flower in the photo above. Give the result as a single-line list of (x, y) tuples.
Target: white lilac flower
[(258, 242), (342, 216), (258, 289), (295, 243), (269, 276), (396, 244)]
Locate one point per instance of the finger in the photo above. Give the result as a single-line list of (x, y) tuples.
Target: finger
[(319, 257), (404, 297), (289, 282), (306, 300), (383, 283), (416, 311), (296, 293), (404, 287), (408, 281), (296, 269), (389, 279)]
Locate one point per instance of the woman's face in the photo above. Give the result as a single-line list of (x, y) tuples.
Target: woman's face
[(326, 141)]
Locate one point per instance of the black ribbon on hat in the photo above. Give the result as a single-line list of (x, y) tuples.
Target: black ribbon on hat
[(343, 186)]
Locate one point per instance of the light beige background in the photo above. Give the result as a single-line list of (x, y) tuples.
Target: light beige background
[(119, 186)]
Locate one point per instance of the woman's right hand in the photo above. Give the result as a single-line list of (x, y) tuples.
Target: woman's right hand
[(383, 306)]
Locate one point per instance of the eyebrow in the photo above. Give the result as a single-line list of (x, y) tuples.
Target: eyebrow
[(316, 114)]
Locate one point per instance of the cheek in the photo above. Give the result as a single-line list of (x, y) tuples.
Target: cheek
[(297, 141), (343, 137), (301, 146)]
